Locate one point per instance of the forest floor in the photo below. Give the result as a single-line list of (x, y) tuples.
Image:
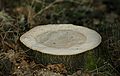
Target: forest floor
[(19, 16)]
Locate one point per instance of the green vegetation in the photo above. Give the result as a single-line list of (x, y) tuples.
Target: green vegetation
[(18, 16)]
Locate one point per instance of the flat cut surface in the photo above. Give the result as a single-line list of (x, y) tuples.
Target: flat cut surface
[(61, 38)]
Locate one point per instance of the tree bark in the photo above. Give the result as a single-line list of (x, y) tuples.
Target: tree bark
[(71, 62)]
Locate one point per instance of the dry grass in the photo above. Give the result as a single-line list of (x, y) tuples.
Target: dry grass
[(18, 17)]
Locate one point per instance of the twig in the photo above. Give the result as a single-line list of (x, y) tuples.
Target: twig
[(59, 1), (47, 7), (9, 45), (114, 68)]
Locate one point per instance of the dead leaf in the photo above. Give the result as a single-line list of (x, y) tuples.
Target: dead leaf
[(60, 68)]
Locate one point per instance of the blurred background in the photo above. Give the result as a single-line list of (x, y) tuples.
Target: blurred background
[(19, 16)]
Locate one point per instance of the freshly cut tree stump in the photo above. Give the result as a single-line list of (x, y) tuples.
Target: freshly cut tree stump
[(61, 43)]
